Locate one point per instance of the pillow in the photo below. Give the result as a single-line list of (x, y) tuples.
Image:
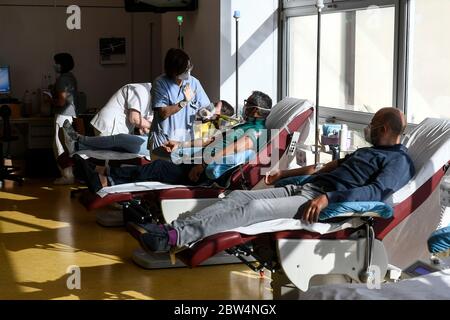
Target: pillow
[(229, 163), (359, 208), (343, 209), (439, 240)]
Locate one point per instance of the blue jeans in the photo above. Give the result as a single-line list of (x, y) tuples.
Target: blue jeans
[(158, 170), (119, 142)]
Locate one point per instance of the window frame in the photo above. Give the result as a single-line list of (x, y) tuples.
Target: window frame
[(298, 8)]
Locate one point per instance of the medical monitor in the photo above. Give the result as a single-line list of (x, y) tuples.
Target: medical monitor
[(5, 81), (160, 6)]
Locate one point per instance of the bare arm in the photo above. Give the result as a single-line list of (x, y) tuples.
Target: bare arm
[(273, 177), (135, 118), (243, 144), (309, 170), (168, 111)]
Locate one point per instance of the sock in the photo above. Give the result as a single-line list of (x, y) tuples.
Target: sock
[(173, 234), (173, 237)]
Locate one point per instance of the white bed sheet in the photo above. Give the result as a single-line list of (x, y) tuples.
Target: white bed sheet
[(137, 187), (433, 286), (109, 155)]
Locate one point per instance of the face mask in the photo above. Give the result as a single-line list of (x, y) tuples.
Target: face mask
[(367, 135), (184, 76), (247, 112), (57, 68)]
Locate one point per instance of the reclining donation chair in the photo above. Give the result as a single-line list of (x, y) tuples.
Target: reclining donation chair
[(349, 246), (289, 116)]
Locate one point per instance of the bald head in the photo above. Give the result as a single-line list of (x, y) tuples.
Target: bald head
[(387, 126), (393, 118)]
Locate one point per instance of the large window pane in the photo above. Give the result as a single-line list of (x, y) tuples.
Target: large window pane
[(357, 59), (429, 61)]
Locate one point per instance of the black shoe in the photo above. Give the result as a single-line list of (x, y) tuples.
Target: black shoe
[(152, 238), (88, 174)]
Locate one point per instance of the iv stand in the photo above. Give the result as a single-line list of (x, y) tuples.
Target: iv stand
[(236, 16), (180, 38), (319, 5)]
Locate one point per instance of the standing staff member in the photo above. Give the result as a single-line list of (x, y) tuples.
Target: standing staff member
[(65, 94), (127, 109), (176, 98)]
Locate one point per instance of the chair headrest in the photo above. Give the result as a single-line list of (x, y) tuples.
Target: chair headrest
[(286, 110), (429, 138)]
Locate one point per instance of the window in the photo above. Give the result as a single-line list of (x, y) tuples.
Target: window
[(428, 60), (357, 58)]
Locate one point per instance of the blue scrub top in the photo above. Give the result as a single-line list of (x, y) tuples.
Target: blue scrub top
[(179, 126)]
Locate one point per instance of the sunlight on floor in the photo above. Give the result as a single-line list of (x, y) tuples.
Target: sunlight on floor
[(18, 222), (45, 233), (15, 197)]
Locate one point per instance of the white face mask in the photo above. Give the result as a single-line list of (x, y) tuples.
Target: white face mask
[(245, 112), (184, 76), (367, 136), (57, 68)]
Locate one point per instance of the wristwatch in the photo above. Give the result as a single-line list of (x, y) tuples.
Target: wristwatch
[(182, 104)]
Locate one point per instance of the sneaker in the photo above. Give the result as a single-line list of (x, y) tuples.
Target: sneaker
[(63, 181), (88, 174), (71, 131), (153, 238), (69, 144)]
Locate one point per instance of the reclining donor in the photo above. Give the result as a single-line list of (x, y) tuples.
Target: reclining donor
[(135, 144), (232, 147), (368, 174)]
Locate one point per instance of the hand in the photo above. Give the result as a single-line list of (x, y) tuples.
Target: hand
[(272, 177), (188, 93), (144, 131), (170, 146), (196, 172), (314, 207)]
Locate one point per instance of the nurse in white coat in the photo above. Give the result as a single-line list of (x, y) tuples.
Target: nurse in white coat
[(128, 109)]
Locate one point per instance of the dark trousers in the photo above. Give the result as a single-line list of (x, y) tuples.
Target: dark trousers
[(158, 170)]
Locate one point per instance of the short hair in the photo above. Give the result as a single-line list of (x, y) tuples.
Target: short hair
[(392, 117), (176, 62), (262, 100), (227, 109), (65, 60)]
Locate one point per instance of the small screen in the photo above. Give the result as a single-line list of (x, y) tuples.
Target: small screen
[(422, 271), (5, 86)]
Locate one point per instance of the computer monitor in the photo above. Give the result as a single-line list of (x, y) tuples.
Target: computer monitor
[(5, 81)]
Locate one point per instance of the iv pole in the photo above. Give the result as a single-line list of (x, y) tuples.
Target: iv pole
[(236, 16), (319, 5), (180, 39)]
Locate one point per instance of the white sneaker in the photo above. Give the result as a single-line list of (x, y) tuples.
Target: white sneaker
[(69, 143), (64, 181)]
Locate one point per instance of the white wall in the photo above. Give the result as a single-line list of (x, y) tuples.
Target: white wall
[(258, 48), (201, 32), (209, 38), (33, 31)]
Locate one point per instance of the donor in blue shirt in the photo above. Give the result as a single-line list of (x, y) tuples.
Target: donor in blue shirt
[(369, 174)]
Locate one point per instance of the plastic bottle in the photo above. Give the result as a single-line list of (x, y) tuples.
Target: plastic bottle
[(343, 138)]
